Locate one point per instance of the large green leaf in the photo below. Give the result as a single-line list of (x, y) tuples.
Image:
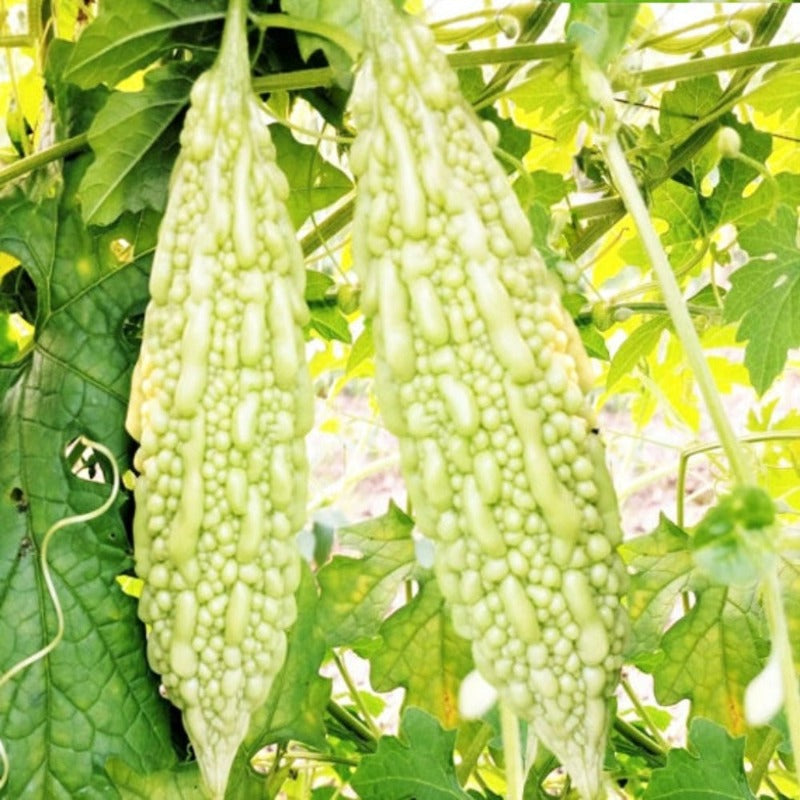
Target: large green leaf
[(416, 766), (713, 650), (127, 36), (315, 182), (765, 296), (422, 652), (712, 768), (93, 697), (135, 140), (358, 592), (663, 566), (711, 655), (182, 782)]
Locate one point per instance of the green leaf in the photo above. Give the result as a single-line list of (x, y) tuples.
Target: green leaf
[(329, 322), (709, 654), (601, 29), (422, 653), (731, 541), (362, 350), (594, 342), (135, 141), (727, 203), (712, 653), (344, 14), (765, 296), (317, 285), (712, 768), (127, 36), (358, 592), (637, 346), (662, 564), (94, 696), (416, 766), (182, 782), (681, 108), (315, 182), (778, 93)]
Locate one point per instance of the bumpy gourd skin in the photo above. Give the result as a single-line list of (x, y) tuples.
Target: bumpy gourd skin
[(220, 403), (481, 375)]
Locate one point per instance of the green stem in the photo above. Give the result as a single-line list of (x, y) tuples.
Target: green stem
[(759, 764), (324, 758), (533, 27), (503, 55), (18, 40), (60, 150), (355, 694), (682, 322), (296, 80), (348, 720), (646, 307), (639, 738), (469, 758), (655, 733), (331, 225), (512, 753), (715, 21), (315, 27), (755, 56), (781, 643)]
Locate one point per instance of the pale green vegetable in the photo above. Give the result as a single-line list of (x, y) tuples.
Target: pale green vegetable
[(220, 404), (483, 378)]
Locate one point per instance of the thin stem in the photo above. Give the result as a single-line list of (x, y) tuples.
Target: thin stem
[(351, 722), (781, 643), (296, 80), (469, 758), (504, 55), (355, 694), (331, 225), (760, 762), (756, 56), (18, 40), (631, 196), (315, 27), (60, 150), (647, 307), (512, 753), (324, 758), (753, 438), (678, 32), (643, 714), (639, 738)]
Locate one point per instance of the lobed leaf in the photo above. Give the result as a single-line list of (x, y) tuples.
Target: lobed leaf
[(422, 652), (712, 768), (93, 696), (418, 764), (356, 593)]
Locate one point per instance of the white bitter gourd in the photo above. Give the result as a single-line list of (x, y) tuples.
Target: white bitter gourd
[(220, 402), (482, 376)]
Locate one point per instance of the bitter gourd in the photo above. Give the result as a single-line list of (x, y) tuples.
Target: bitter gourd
[(482, 376), (220, 402)]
